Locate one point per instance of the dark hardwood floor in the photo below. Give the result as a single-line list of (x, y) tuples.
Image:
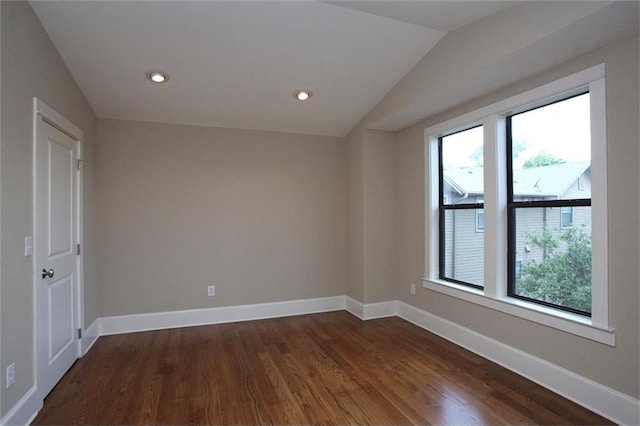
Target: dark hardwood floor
[(326, 368)]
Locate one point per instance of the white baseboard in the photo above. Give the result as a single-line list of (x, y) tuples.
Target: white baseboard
[(89, 336), (380, 310), (603, 400), (25, 410), (598, 398), (354, 307), (188, 318), (371, 310)]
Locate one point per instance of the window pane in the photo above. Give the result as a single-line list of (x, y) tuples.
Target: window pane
[(566, 216), (462, 166), (480, 216), (479, 220), (555, 261), (463, 250), (518, 268), (551, 151)]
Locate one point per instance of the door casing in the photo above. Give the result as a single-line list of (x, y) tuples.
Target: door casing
[(50, 116)]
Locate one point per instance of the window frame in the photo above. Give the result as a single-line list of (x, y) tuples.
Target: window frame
[(494, 295), (445, 205), (513, 206), (518, 269), (581, 183), (480, 212), (570, 213)]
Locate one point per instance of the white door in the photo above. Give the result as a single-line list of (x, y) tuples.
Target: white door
[(56, 257)]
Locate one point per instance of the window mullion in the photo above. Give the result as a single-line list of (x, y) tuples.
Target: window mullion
[(599, 204), (494, 206)]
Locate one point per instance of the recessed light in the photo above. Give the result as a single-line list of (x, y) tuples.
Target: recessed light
[(302, 94), (158, 76)]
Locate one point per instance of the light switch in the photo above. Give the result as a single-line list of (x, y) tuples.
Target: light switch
[(28, 246)]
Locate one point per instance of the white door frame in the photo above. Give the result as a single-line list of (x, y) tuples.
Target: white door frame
[(59, 122)]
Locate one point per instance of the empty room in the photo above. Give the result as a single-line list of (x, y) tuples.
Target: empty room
[(319, 212)]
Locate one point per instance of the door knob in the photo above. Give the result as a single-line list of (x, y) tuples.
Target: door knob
[(46, 273)]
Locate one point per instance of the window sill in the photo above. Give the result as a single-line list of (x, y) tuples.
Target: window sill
[(564, 321)]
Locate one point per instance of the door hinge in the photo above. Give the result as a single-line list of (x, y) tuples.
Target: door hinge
[(78, 249), (79, 333), (79, 164)]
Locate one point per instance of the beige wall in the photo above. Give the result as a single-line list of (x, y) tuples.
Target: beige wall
[(370, 217), (355, 215), (269, 216), (500, 49), (379, 213), (616, 367), (261, 215), (32, 67)]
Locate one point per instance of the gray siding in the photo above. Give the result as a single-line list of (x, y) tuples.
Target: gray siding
[(581, 188), (469, 253), (464, 244)]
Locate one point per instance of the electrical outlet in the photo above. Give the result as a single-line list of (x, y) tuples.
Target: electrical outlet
[(11, 375), (413, 288), (28, 246), (211, 290)]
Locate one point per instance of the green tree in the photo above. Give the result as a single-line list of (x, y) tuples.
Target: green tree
[(542, 159), (517, 147), (564, 275)]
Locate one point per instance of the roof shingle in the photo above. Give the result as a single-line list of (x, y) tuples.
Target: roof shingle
[(546, 181)]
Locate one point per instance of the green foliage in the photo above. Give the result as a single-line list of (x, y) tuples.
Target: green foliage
[(564, 276), (542, 159), (517, 147)]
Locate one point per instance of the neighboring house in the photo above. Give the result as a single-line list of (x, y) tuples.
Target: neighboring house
[(464, 229)]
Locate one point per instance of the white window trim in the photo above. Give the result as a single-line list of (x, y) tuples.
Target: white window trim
[(494, 295)]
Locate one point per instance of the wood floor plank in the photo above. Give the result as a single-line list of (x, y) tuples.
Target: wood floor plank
[(143, 405), (205, 396), (371, 377), (328, 368)]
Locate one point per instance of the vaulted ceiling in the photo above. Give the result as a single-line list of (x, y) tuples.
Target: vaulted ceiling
[(237, 64)]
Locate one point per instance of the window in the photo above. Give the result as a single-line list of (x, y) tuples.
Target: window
[(524, 179), (540, 166), (566, 216), (518, 269), (460, 175), (480, 216)]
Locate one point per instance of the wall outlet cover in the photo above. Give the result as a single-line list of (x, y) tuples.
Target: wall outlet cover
[(28, 246), (11, 375)]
